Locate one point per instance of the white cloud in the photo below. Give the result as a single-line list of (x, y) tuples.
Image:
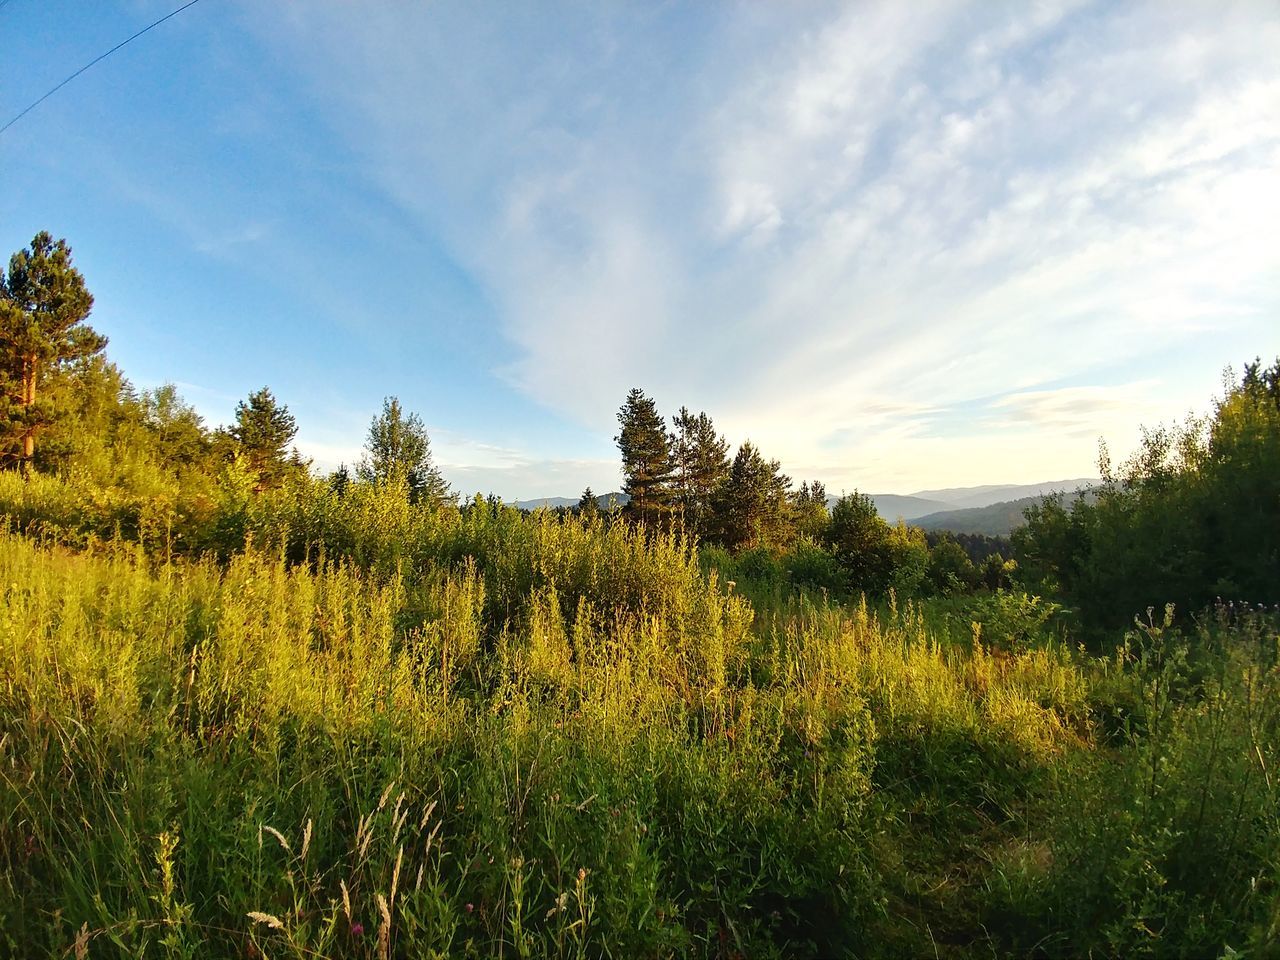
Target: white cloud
[(1079, 411), (897, 207)]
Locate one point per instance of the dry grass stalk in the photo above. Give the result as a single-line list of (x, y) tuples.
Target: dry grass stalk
[(278, 835), (384, 931)]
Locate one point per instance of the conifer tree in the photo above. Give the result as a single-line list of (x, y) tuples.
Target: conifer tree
[(701, 462), (340, 480), (751, 506), (43, 308), (587, 505), (398, 448), (809, 508), (263, 430), (646, 457)]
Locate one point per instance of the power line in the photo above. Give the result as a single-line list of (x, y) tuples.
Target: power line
[(96, 60)]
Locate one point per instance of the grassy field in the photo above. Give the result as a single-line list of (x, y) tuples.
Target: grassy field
[(483, 734)]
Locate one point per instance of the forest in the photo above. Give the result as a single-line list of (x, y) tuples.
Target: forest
[(249, 709)]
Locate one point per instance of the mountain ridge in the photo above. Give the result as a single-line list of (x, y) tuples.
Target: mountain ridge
[(934, 507)]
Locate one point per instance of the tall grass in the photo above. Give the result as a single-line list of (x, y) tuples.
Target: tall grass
[(382, 730)]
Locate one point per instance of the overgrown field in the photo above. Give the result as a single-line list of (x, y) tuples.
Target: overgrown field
[(530, 736)]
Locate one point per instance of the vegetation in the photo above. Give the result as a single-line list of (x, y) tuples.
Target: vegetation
[(43, 306), (399, 451), (248, 711), (1191, 518)]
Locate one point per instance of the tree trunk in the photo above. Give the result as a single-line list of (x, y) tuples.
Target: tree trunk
[(28, 401)]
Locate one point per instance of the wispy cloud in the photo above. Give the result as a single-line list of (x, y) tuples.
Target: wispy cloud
[(828, 225), (1077, 411)]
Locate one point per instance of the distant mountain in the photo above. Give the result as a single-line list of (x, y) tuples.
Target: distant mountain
[(924, 503), (994, 509), (958, 498), (891, 506), (994, 520), (552, 502), (549, 502)]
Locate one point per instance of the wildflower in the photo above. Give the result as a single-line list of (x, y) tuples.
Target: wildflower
[(357, 929), (470, 907)]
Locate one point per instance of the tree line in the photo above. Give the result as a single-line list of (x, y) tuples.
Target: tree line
[(1192, 518), (64, 404), (67, 408), (683, 476)]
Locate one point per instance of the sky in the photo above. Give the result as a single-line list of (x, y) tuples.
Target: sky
[(895, 245)]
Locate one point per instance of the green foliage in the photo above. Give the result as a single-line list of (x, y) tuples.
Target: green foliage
[(1193, 515), (860, 540), (248, 711), (43, 307), (263, 430), (1167, 845), (751, 506), (398, 449), (809, 512), (318, 760), (646, 458), (700, 458), (950, 569), (177, 432)]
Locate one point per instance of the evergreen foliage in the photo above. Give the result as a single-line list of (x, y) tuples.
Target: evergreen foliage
[(701, 460), (43, 308), (263, 431), (647, 467), (751, 506)]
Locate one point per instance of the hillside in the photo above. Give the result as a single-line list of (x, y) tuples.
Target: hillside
[(891, 506), (987, 495), (551, 503), (915, 508), (994, 520)]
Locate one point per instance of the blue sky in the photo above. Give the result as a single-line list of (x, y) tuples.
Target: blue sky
[(897, 245)]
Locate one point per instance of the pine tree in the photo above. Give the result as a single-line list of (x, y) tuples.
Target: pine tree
[(701, 462), (398, 448), (340, 481), (263, 430), (751, 506), (43, 308), (646, 457), (587, 504), (809, 510)]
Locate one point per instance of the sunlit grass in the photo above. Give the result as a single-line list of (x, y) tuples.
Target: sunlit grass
[(471, 733)]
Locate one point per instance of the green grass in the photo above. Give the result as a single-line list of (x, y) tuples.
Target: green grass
[(467, 733)]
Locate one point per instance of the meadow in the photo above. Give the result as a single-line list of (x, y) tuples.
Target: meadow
[(380, 729)]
